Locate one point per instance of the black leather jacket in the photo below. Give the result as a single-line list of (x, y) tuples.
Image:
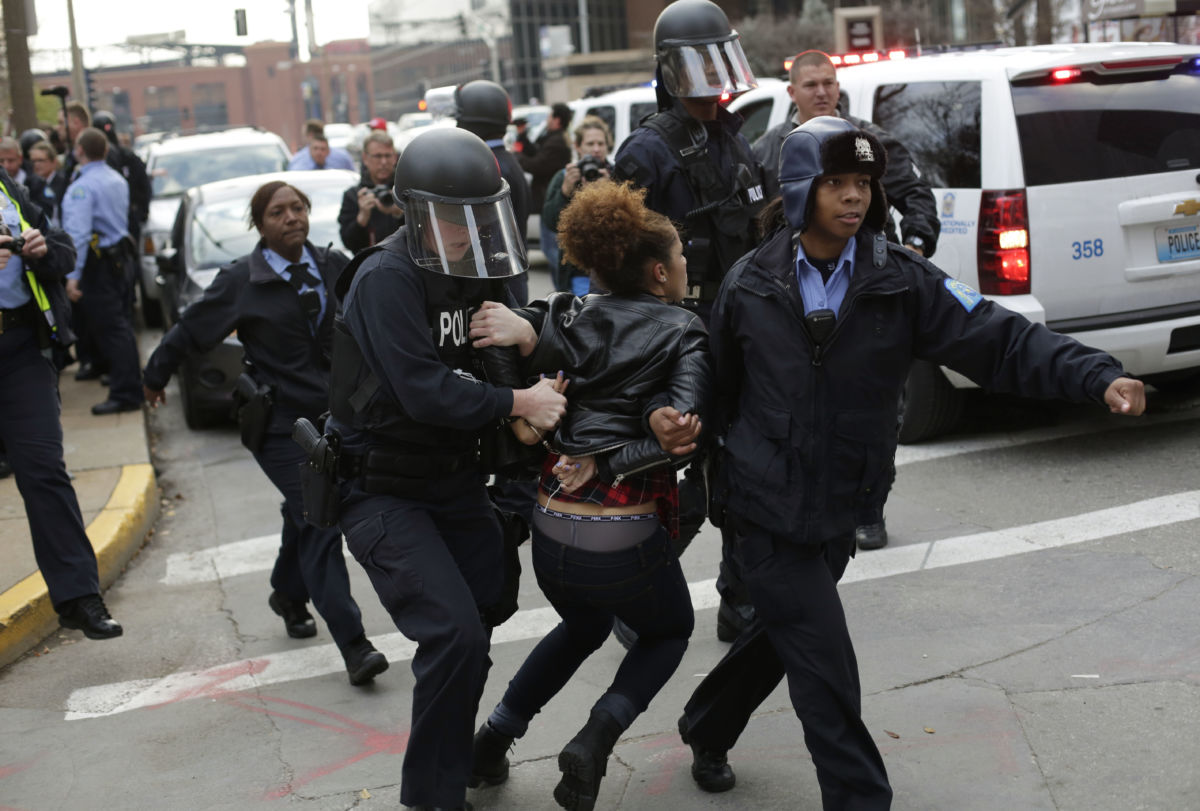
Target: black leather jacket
[(624, 357)]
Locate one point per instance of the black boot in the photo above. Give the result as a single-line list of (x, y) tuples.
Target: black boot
[(489, 761), (584, 760), (710, 768)]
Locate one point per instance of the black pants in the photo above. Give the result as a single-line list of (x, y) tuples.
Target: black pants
[(310, 564), (31, 428), (434, 560), (799, 631), (106, 295)]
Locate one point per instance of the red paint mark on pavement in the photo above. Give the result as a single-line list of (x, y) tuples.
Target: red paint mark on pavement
[(674, 754), (217, 677), (16, 768)]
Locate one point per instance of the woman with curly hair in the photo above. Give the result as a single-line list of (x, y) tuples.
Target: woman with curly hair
[(607, 499)]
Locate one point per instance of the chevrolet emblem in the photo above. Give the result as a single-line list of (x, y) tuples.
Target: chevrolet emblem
[(1188, 208)]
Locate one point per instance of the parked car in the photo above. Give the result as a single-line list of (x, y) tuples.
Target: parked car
[(622, 110), (175, 164), (1068, 182), (211, 229)]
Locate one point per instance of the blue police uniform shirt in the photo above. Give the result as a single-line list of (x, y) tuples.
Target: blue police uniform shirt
[(338, 159), (97, 201), (815, 292), (13, 292), (279, 265)]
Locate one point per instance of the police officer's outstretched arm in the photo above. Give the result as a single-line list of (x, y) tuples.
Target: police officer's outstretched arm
[(1005, 352)]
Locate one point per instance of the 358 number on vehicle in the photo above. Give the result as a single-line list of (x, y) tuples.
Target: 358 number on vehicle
[(1087, 249)]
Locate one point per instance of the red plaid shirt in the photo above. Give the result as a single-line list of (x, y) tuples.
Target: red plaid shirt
[(658, 485)]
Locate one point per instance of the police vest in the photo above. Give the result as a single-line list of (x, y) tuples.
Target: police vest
[(720, 229), (35, 288), (356, 396)]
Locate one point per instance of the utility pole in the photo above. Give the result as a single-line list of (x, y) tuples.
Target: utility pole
[(20, 79), (78, 90)]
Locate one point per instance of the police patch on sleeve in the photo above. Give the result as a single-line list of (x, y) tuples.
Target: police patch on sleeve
[(967, 297)]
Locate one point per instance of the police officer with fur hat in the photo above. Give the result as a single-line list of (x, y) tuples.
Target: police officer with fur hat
[(409, 402), (812, 336), (700, 172), (485, 108)]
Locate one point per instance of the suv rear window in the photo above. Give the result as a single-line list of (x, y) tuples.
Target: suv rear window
[(1092, 131), (939, 124), (173, 173)]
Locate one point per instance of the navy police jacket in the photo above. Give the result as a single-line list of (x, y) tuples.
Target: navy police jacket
[(810, 434), (250, 297)]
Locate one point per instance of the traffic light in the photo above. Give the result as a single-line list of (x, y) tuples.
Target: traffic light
[(92, 100), (462, 24), (239, 21)]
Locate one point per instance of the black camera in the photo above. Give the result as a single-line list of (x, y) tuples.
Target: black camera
[(590, 166), (18, 242), (384, 195)]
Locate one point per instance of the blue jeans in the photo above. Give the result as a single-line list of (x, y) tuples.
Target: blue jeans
[(643, 586)]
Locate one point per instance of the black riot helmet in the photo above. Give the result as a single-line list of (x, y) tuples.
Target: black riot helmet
[(29, 138), (827, 145), (699, 54), (483, 107), (458, 215), (107, 124)]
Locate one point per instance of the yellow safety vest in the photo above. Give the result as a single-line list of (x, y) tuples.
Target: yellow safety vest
[(35, 287)]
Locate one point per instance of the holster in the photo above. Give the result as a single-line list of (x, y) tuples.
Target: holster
[(253, 403), (319, 490)]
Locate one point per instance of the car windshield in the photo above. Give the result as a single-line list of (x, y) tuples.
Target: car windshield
[(1076, 131), (173, 174), (219, 232)]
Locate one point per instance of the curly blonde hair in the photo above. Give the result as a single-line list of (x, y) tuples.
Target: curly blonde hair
[(607, 230)]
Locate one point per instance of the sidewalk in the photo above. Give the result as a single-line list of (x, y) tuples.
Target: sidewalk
[(110, 461)]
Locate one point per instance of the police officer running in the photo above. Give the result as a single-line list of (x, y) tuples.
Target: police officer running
[(34, 334), (812, 336), (409, 405), (95, 215), (700, 172), (813, 88)]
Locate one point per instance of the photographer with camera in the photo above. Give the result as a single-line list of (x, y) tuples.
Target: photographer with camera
[(369, 211), (593, 140)]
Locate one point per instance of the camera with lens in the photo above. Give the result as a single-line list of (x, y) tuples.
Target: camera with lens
[(383, 194), (590, 167), (18, 242)]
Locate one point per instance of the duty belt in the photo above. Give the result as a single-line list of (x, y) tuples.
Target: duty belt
[(382, 460), (16, 317)]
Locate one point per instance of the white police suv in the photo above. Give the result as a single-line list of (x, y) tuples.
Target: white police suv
[(1068, 181)]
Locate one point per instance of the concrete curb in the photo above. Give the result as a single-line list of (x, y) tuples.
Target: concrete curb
[(116, 533)]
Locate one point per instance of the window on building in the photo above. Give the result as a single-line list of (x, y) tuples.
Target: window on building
[(162, 109), (208, 104)]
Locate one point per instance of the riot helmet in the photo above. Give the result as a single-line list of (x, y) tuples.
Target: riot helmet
[(699, 54), (827, 145), (482, 107), (458, 215), (29, 138), (107, 124)]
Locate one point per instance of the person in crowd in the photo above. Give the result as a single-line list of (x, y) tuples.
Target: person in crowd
[(12, 160), (34, 335), (593, 140), (95, 215), (130, 167), (607, 497), (812, 335), (409, 403), (700, 172), (813, 88), (551, 152), (522, 144), (484, 108), (369, 210), (44, 161), (324, 157), (280, 299)]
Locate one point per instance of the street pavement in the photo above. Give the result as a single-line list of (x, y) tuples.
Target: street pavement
[(1028, 640)]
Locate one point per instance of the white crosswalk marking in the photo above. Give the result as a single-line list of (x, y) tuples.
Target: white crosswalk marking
[(110, 699)]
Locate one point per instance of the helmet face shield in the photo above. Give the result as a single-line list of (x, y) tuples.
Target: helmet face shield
[(706, 69), (476, 239)]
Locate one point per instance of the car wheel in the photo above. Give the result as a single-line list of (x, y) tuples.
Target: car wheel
[(929, 405), (196, 414), (152, 314)]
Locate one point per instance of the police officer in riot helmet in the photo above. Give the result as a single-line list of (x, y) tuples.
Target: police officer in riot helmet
[(485, 108), (130, 167), (409, 404), (700, 172)]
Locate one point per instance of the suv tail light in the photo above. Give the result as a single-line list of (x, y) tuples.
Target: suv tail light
[(1003, 243)]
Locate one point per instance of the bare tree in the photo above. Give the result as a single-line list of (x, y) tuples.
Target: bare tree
[(768, 40)]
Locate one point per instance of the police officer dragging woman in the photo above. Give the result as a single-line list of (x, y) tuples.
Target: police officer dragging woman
[(280, 299), (812, 337), (409, 404)]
